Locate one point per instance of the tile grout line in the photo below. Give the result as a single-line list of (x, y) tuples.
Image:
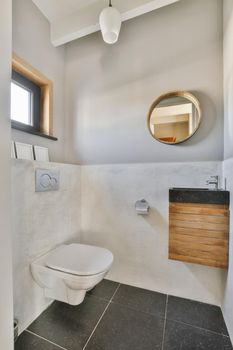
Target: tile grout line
[(165, 321), (88, 340), (115, 292), (38, 336), (200, 328)]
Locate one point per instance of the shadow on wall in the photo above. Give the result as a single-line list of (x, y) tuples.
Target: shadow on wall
[(201, 276), (207, 108), (155, 219), (156, 26), (112, 128)]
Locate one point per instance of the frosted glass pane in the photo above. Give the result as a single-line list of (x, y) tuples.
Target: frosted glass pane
[(20, 104)]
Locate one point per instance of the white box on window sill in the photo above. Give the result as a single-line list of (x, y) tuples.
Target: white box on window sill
[(24, 151), (13, 155), (41, 154)]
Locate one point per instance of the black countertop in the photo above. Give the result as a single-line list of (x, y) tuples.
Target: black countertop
[(198, 195)]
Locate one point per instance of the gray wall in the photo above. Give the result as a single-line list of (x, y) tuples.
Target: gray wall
[(228, 148), (6, 309), (31, 41), (109, 88), (228, 79)]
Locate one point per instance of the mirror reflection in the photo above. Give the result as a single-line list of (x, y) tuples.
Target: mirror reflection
[(174, 117)]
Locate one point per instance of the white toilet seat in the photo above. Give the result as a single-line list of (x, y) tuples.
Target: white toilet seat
[(69, 271), (80, 259)]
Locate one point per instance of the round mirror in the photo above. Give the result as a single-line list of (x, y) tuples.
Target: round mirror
[(174, 117)]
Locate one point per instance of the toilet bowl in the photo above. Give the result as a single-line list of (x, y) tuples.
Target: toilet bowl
[(69, 271)]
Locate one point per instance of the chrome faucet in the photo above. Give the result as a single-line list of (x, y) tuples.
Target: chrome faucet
[(215, 181)]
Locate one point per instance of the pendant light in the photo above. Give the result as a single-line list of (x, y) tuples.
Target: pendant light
[(110, 24)]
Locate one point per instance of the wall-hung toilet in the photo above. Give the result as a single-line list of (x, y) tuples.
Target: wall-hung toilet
[(69, 271)]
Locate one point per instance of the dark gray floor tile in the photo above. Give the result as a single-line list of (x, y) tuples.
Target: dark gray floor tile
[(227, 343), (28, 341), (197, 314), (69, 326), (104, 289), (179, 336), (141, 300), (126, 329)]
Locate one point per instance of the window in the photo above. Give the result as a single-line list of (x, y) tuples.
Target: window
[(20, 104), (31, 100), (25, 103)]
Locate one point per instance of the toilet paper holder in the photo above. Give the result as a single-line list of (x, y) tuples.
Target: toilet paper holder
[(142, 207)]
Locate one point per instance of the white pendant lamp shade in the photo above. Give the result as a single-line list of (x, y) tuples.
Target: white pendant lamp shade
[(110, 24)]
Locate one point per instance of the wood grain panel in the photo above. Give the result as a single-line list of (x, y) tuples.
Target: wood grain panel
[(200, 261), (201, 240), (196, 248), (200, 225), (199, 233), (217, 219), (199, 209)]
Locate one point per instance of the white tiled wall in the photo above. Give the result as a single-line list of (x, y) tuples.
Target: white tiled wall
[(228, 295), (40, 221), (140, 244), (95, 205)]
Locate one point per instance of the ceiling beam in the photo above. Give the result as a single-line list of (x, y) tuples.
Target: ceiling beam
[(86, 20)]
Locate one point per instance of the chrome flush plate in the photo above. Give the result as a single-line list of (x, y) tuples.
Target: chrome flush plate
[(47, 180)]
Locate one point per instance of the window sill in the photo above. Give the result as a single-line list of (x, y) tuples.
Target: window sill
[(32, 132)]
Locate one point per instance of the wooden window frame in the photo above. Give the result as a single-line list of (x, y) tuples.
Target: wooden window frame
[(46, 108)]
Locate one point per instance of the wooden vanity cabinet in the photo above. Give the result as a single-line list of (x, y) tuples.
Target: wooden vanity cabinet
[(199, 233)]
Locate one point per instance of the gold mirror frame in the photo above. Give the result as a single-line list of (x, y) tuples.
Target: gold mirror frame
[(184, 94)]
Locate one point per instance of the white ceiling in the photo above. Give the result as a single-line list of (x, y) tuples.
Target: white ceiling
[(73, 19), (56, 9)]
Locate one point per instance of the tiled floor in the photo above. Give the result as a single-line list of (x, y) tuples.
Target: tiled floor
[(120, 317)]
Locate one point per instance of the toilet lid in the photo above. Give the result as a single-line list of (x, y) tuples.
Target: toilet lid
[(80, 259)]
